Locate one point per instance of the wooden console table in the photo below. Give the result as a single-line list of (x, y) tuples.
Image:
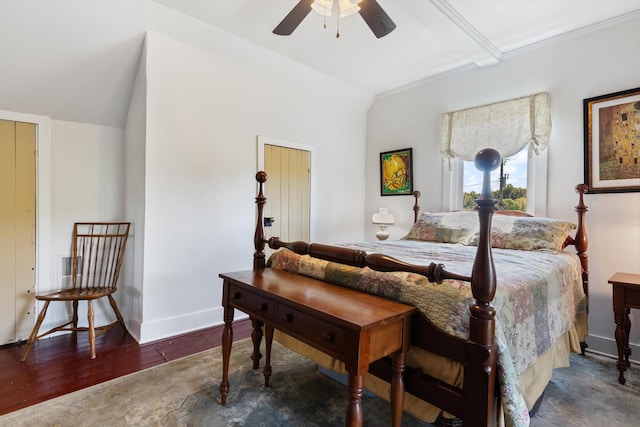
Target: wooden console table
[(626, 295), (354, 327)]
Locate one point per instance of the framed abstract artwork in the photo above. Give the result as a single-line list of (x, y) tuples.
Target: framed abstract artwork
[(612, 142), (396, 172)]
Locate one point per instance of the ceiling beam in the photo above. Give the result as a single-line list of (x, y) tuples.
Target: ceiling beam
[(471, 31)]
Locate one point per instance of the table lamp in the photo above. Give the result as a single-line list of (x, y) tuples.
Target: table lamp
[(382, 218)]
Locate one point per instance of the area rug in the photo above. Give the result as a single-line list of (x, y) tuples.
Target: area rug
[(587, 394), (185, 392)]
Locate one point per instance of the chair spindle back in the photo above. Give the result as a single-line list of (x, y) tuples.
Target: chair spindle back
[(98, 253)]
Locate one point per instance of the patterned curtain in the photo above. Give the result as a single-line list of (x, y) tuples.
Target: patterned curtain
[(506, 126)]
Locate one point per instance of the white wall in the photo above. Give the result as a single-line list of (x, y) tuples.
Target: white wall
[(87, 184), (572, 69), (130, 296), (204, 111)]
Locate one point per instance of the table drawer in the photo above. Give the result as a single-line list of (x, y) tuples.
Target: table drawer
[(253, 303), (325, 336)]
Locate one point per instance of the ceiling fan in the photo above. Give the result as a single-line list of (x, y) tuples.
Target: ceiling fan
[(372, 13)]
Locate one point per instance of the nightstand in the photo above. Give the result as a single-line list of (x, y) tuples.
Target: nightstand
[(626, 295)]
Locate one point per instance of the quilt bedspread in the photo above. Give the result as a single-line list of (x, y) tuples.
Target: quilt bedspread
[(537, 298)]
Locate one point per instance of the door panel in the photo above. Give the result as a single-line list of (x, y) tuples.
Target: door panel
[(287, 191), (17, 229)]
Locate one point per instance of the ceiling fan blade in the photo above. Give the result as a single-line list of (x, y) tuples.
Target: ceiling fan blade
[(376, 18), (294, 18)]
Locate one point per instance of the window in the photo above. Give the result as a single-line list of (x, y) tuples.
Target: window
[(519, 129), (508, 183), (524, 171)]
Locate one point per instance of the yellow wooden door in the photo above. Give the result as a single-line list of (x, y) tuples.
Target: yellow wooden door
[(287, 191), (17, 229)]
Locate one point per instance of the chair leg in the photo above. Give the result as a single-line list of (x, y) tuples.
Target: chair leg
[(92, 332), (75, 314), (34, 332), (112, 301)]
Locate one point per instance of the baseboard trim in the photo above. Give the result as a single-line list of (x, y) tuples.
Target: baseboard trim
[(607, 347), (147, 331)]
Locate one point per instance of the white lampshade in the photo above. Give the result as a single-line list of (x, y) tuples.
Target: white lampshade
[(383, 218), (323, 7), (348, 7)]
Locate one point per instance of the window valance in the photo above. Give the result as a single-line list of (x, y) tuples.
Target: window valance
[(506, 126)]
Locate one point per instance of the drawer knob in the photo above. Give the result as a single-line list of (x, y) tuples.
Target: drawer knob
[(287, 317), (328, 336), (262, 306), (236, 295)]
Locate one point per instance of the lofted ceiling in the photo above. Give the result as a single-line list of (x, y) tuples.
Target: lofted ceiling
[(76, 60), (431, 37)]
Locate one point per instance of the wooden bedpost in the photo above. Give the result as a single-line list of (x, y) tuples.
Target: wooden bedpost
[(416, 207), (258, 263), (480, 372), (581, 242), (258, 237), (483, 274)]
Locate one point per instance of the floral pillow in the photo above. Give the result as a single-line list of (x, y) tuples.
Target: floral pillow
[(444, 227), (507, 232), (526, 233)]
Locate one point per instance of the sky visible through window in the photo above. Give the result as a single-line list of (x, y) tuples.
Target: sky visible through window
[(515, 167)]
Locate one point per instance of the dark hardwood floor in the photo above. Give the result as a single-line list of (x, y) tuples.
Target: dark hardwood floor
[(61, 364)]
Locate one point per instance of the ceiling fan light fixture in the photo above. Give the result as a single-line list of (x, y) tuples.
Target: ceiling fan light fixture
[(323, 7), (371, 12), (348, 7)]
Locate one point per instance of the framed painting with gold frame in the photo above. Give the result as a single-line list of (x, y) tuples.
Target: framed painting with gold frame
[(612, 142), (396, 172)]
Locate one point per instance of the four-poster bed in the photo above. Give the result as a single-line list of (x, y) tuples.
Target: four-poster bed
[(477, 350)]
